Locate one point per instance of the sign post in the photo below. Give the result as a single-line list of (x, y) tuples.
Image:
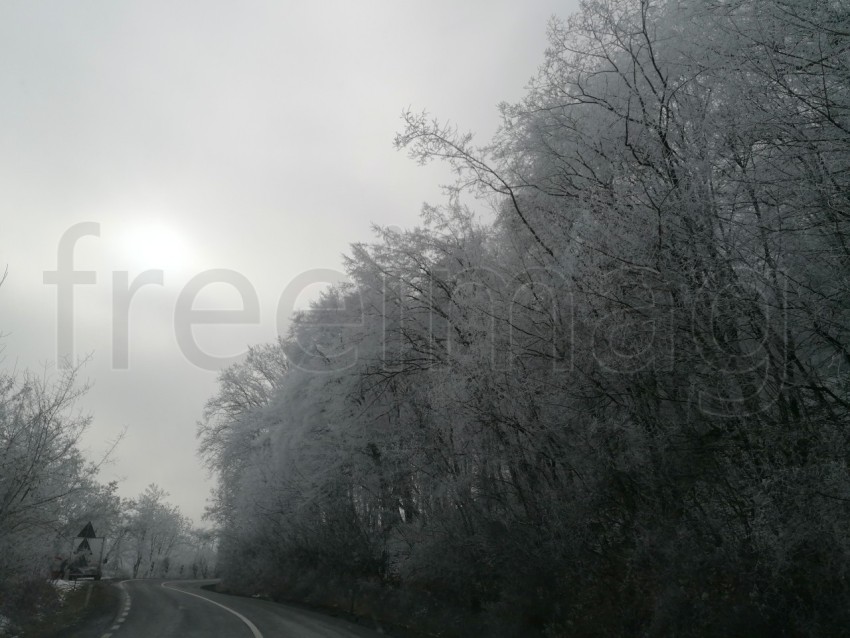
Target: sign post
[(86, 555)]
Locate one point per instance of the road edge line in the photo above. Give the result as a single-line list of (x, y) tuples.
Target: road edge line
[(123, 609), (247, 622)]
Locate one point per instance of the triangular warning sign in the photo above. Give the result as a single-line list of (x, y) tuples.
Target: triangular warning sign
[(84, 546), (88, 532)]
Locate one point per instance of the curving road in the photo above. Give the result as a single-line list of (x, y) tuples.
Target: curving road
[(181, 609)]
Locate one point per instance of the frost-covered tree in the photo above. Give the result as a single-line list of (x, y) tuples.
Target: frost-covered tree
[(42, 471), (48, 489), (622, 407), (154, 531)]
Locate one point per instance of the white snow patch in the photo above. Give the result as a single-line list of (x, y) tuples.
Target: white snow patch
[(64, 586)]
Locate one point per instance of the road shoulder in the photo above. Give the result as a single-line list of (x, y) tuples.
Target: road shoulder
[(87, 611)]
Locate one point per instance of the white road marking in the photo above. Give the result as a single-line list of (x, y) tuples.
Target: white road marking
[(123, 613), (251, 626)]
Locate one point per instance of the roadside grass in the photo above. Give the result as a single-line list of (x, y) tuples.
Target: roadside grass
[(85, 608)]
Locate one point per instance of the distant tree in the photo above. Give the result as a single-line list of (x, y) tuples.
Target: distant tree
[(155, 530)]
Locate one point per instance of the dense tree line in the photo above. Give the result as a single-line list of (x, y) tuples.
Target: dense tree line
[(621, 408)]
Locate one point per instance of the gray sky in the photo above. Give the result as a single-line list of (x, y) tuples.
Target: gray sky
[(252, 136)]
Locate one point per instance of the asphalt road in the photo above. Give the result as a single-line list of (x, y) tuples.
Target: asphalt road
[(181, 609)]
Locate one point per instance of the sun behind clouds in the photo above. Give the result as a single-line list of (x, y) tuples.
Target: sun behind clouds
[(154, 244)]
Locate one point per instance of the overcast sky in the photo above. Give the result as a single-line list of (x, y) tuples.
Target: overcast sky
[(250, 136)]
